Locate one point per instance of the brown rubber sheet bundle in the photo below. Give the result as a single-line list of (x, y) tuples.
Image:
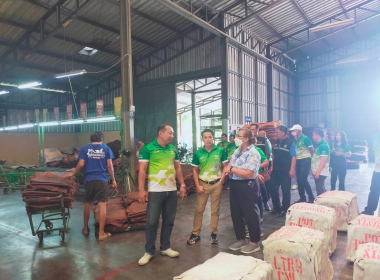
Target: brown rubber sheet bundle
[(46, 189), (68, 159), (270, 129), (189, 182)]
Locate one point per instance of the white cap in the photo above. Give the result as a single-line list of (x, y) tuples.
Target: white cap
[(296, 127)]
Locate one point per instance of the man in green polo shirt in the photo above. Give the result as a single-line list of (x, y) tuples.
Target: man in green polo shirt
[(161, 159), (207, 161), (320, 160), (305, 150), (224, 143), (231, 147)]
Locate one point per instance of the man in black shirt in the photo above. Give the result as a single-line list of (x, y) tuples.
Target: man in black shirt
[(282, 170)]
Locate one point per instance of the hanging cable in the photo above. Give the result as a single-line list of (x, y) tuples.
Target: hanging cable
[(72, 92), (102, 71)]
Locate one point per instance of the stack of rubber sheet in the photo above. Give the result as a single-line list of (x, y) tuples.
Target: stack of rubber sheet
[(115, 147), (117, 165), (124, 213), (189, 182), (63, 158), (359, 154), (44, 191), (270, 129)]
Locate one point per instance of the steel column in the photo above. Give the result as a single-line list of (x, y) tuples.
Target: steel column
[(269, 87), (297, 100), (224, 80), (127, 84), (194, 121)]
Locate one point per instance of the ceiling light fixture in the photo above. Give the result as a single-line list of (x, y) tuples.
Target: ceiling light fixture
[(72, 122), (332, 25), (70, 74), (26, 125), (4, 92), (10, 127), (48, 123), (29, 85), (102, 119), (350, 60)]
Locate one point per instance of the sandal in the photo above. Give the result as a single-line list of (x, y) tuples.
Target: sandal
[(86, 234), (104, 238)]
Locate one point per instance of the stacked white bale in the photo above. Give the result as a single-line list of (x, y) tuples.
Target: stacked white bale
[(317, 217), (367, 262), (226, 266), (298, 253), (345, 205), (364, 229)]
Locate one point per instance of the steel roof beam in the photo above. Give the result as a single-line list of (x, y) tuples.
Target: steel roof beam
[(322, 21), (347, 17)]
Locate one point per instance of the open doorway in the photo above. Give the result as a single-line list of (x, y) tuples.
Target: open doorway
[(199, 106)]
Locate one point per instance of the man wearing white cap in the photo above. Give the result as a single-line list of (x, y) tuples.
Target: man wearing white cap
[(305, 150)]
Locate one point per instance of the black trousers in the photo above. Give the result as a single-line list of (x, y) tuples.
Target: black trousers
[(338, 171), (302, 172), (320, 184), (280, 178), (373, 197), (244, 196), (264, 193)]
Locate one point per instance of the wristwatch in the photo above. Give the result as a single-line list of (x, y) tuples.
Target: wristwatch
[(183, 186)]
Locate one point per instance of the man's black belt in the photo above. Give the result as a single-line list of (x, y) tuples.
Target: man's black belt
[(210, 182)]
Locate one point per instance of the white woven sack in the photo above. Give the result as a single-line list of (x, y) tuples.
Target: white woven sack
[(367, 262), (298, 253), (345, 205), (317, 217)]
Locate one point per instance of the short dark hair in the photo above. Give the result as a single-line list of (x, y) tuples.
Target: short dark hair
[(97, 137), (224, 134), (282, 128), (162, 127), (255, 125), (207, 130), (320, 132), (232, 135)]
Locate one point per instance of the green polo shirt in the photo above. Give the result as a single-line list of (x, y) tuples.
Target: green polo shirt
[(231, 148), (209, 163), (303, 144), (341, 149), (322, 149), (223, 145), (161, 166), (263, 157)]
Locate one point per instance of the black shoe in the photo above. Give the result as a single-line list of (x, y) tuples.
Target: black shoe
[(282, 214), (311, 201), (273, 212), (213, 239), (267, 207), (193, 238), (300, 200)]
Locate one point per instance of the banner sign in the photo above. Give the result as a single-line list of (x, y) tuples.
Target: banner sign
[(11, 119), (99, 108), (27, 116), (4, 121), (248, 120), (69, 112), (18, 118), (45, 115), (117, 106), (83, 110), (37, 114), (56, 113)]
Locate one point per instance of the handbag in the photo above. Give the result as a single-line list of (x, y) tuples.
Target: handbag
[(265, 174)]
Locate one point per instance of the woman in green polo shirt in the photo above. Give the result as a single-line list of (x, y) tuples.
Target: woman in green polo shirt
[(340, 151)]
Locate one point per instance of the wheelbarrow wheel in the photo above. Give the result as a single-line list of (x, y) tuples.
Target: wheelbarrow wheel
[(40, 236), (5, 191), (13, 190), (48, 225), (62, 234)]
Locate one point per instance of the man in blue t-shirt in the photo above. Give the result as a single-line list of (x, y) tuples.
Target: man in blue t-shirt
[(96, 159)]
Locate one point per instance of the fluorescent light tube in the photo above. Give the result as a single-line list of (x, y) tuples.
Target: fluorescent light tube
[(48, 123), (101, 119), (26, 125), (10, 127), (4, 92), (350, 60), (70, 74), (29, 85), (72, 122), (332, 25)]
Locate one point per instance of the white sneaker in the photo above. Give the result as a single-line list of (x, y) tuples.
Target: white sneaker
[(294, 187), (170, 253), (145, 259)]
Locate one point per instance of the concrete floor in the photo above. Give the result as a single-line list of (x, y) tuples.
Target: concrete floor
[(22, 257)]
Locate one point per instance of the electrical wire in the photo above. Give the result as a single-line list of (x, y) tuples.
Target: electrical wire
[(72, 92), (102, 71)]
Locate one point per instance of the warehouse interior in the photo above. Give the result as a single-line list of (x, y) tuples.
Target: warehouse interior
[(124, 67)]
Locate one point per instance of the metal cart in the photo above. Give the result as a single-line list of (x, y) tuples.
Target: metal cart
[(49, 215), (13, 180)]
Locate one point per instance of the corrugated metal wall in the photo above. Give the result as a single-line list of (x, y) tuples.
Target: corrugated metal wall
[(320, 101), (283, 98)]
